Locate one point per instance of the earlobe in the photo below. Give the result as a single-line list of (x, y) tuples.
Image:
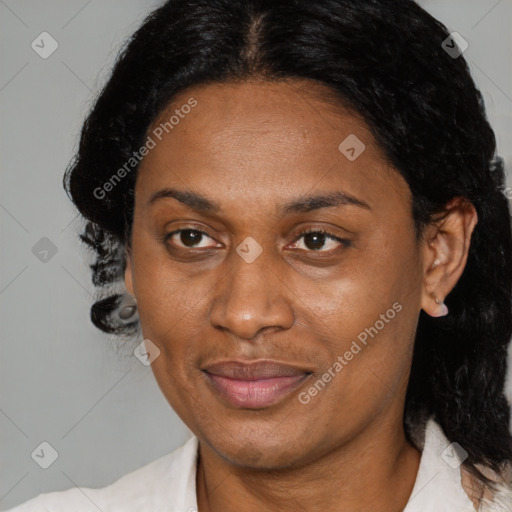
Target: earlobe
[(445, 253), (434, 276)]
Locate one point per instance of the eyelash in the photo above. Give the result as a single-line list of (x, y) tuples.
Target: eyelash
[(344, 242)]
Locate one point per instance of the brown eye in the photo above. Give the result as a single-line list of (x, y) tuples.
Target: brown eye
[(316, 240), (187, 238), (190, 238)]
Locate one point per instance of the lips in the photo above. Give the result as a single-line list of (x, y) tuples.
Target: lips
[(256, 370), (256, 384)]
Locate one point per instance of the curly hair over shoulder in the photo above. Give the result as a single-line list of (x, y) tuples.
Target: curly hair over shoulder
[(385, 59)]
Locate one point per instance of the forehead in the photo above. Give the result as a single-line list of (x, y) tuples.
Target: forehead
[(296, 110), (265, 139)]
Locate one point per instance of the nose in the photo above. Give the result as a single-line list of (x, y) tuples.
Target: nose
[(251, 297)]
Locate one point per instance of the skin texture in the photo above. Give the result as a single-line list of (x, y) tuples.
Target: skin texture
[(251, 147)]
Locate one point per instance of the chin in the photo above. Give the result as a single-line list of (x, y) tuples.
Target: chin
[(260, 452)]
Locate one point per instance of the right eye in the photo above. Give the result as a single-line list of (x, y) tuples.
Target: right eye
[(188, 238)]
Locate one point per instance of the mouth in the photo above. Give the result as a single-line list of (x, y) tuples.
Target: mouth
[(254, 385)]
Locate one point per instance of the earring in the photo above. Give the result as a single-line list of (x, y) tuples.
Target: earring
[(127, 308), (443, 308)]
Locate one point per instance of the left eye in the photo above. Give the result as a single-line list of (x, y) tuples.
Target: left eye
[(316, 239)]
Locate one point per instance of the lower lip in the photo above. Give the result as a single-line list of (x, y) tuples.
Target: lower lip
[(255, 394)]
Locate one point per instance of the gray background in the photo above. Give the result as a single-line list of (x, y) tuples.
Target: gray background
[(61, 380)]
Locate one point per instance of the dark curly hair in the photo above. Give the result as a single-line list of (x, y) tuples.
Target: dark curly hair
[(385, 59)]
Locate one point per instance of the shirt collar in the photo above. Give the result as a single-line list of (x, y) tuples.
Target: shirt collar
[(438, 485)]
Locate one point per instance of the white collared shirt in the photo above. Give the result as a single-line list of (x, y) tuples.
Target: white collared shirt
[(168, 484)]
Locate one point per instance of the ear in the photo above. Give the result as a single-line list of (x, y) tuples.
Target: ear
[(445, 251), (128, 278)]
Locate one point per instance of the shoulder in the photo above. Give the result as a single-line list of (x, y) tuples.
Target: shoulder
[(487, 499), (156, 486)]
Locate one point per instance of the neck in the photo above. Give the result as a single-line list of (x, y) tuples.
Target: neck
[(376, 470)]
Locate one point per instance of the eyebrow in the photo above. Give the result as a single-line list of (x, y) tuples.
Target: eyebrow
[(193, 200), (302, 204)]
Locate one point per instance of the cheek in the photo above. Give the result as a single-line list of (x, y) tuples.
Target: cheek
[(365, 285), (167, 298), (167, 303), (366, 366), (368, 314), (172, 310)]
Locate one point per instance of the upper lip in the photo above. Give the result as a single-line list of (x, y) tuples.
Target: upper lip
[(254, 370)]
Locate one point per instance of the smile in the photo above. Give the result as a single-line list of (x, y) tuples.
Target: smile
[(256, 385)]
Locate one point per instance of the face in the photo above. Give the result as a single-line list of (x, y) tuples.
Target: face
[(258, 239)]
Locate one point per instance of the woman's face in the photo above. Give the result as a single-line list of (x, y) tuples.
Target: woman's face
[(223, 272)]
